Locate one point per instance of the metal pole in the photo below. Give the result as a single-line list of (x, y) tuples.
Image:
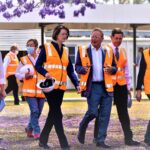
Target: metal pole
[(134, 58), (42, 32)]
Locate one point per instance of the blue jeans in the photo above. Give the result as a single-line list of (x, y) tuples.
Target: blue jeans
[(98, 98), (36, 106)]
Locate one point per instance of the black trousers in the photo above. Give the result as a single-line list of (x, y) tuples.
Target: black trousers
[(13, 86), (54, 99), (120, 100)]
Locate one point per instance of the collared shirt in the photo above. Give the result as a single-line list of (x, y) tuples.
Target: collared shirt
[(97, 64), (2, 77), (126, 68), (19, 75)]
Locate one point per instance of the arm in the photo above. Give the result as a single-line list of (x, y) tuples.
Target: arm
[(78, 66), (2, 78), (39, 63), (6, 63), (141, 73), (127, 76), (71, 74), (140, 79), (18, 74)]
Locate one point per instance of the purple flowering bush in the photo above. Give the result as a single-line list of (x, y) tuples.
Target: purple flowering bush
[(9, 9)]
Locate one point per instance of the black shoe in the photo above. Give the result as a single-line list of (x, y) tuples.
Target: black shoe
[(45, 146), (65, 148), (132, 143), (147, 142), (81, 136), (23, 98), (102, 145)]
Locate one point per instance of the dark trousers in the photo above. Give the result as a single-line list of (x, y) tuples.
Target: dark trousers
[(54, 99), (13, 86), (120, 100)]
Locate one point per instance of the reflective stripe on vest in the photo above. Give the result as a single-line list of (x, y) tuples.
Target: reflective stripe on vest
[(83, 83), (32, 91), (47, 66), (60, 83), (120, 69)]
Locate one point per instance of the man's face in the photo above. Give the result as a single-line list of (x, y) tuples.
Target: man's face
[(96, 39), (117, 39)]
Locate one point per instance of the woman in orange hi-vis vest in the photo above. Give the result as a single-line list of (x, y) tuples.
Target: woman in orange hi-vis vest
[(144, 79), (34, 96), (54, 62)]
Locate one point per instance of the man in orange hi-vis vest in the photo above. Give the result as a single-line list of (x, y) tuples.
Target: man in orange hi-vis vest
[(10, 65), (144, 79), (122, 85), (95, 65)]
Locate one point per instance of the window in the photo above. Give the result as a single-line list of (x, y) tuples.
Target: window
[(72, 53)]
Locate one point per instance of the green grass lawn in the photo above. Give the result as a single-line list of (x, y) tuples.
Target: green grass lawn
[(15, 118)]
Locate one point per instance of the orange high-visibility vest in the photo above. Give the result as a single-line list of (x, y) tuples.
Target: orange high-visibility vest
[(11, 68), (29, 86), (108, 62), (56, 66), (86, 62), (119, 77), (147, 72)]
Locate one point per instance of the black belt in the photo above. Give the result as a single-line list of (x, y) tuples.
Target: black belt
[(98, 82)]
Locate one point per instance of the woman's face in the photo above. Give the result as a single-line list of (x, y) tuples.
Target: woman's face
[(62, 36)]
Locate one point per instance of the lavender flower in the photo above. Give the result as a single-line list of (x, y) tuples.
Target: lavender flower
[(7, 15), (50, 7), (9, 3), (2, 7)]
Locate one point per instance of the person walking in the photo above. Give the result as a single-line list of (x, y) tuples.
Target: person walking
[(2, 83), (34, 96), (95, 66), (54, 62), (10, 64), (122, 85), (144, 79)]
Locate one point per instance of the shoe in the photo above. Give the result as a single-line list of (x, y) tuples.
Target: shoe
[(132, 143), (81, 136), (147, 142), (16, 104), (94, 140), (29, 133), (23, 98), (65, 148), (36, 136), (45, 146), (102, 145)]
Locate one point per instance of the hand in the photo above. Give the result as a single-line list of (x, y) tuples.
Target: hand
[(129, 93), (138, 95), (78, 89), (3, 93), (86, 69), (108, 69), (48, 76), (28, 76)]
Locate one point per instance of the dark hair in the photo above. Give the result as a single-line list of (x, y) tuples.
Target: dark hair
[(34, 41), (116, 31), (57, 30), (99, 30)]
